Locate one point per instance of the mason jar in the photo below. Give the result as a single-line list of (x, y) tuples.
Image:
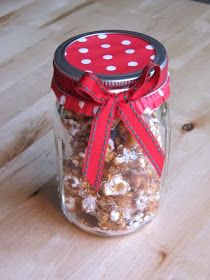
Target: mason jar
[(111, 129)]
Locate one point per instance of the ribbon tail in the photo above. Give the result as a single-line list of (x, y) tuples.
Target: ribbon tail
[(96, 150), (144, 137)]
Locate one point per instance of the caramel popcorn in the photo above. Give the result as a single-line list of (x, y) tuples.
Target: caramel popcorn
[(129, 194)]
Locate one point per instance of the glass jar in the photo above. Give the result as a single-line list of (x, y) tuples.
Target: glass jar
[(128, 192)]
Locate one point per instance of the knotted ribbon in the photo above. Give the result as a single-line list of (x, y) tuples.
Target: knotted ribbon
[(124, 105)]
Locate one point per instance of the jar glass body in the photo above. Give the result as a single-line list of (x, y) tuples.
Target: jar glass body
[(130, 192)]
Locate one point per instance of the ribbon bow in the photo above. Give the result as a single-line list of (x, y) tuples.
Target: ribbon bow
[(125, 106)]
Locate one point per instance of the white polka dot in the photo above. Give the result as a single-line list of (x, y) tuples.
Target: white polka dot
[(102, 36), (152, 57), (89, 71), (129, 51), (105, 46), (62, 100), (95, 109), (85, 61), (107, 56), (83, 50), (147, 110), (149, 47), (65, 53), (132, 63), (126, 42), (81, 104), (161, 92), (83, 39), (110, 68)]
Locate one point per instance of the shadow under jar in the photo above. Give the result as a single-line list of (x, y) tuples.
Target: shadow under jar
[(111, 63)]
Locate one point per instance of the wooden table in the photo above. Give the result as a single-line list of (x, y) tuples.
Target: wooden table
[(36, 242)]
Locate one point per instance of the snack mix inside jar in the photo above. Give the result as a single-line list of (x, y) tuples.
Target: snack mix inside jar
[(111, 129)]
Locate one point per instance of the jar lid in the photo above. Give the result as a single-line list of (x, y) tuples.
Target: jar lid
[(117, 57)]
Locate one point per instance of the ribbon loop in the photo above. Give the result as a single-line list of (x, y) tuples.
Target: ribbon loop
[(147, 81), (91, 86)]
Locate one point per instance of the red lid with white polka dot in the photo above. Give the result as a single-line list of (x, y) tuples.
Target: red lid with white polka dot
[(117, 57)]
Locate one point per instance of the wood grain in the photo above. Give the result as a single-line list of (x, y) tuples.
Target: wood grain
[(36, 241)]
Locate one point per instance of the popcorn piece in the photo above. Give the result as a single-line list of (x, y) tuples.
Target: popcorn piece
[(82, 193), (73, 180), (89, 204), (126, 156), (155, 196), (110, 151), (127, 214), (147, 218), (75, 162), (111, 144), (116, 186), (82, 155), (141, 203), (142, 162), (75, 183), (114, 216), (70, 203), (139, 217), (74, 127), (136, 224)]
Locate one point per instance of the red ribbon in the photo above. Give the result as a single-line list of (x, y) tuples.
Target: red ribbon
[(125, 106)]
